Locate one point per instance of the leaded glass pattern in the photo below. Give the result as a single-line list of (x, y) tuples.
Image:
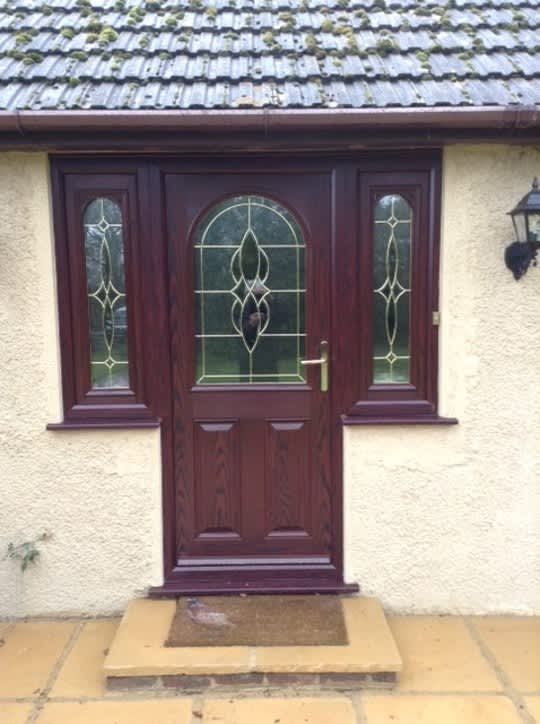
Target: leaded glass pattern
[(105, 276), (391, 304), (249, 289)]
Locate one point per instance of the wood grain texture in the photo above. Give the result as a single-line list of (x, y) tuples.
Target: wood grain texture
[(287, 490), (257, 495), (75, 184), (218, 511)]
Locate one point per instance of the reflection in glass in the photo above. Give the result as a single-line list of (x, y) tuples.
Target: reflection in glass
[(104, 255), (249, 310), (391, 303)]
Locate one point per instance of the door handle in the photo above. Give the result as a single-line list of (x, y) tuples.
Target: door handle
[(323, 362)]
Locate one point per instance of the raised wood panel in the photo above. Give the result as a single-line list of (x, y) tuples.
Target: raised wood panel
[(287, 479), (217, 501), (293, 401)]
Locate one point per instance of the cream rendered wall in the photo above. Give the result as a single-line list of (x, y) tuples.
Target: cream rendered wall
[(99, 492), (447, 519), (436, 519)]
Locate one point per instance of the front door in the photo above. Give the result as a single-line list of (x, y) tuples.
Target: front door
[(255, 489)]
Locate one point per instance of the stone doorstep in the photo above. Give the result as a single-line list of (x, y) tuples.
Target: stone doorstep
[(138, 659), (193, 684)]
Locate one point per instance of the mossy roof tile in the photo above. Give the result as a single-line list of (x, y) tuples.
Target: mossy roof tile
[(116, 54)]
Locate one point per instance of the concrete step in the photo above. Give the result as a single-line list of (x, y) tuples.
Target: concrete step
[(138, 658)]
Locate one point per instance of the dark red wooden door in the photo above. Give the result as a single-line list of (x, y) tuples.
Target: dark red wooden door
[(249, 261)]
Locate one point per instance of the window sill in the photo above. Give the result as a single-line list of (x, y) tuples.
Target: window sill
[(150, 423), (398, 420)]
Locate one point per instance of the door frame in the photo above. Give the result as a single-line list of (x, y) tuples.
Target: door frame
[(147, 222), (235, 578), (344, 170)]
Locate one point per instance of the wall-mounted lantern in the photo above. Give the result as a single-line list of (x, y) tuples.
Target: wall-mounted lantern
[(526, 219)]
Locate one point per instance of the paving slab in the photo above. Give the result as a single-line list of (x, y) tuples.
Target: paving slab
[(284, 711), (533, 705), (4, 628), (30, 651), (159, 711), (515, 644), (15, 713), (82, 674), (439, 710), (439, 654)]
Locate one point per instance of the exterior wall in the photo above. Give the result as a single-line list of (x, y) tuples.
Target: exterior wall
[(448, 519), (98, 492), (436, 519)]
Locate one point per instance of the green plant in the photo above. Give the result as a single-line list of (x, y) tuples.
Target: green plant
[(94, 25), (106, 36), (24, 37), (32, 58), (327, 25), (28, 551), (79, 55), (385, 46), (135, 15)]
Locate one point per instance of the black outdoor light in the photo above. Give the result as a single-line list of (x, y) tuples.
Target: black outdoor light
[(526, 219)]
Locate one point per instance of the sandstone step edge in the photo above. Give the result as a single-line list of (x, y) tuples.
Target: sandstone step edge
[(138, 652)]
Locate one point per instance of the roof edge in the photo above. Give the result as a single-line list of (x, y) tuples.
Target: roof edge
[(268, 120)]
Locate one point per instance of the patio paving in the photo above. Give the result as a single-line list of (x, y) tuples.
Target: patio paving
[(456, 671)]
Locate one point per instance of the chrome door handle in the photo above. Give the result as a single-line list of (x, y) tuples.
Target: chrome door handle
[(323, 362)]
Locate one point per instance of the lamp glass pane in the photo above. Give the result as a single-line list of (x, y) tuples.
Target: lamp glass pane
[(534, 227), (520, 226)]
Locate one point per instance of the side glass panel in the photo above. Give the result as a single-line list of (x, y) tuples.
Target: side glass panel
[(391, 293), (104, 255), (250, 289)]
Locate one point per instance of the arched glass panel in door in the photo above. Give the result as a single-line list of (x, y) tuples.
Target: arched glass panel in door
[(249, 293)]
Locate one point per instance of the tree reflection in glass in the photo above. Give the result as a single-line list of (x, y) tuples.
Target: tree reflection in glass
[(105, 277), (249, 271), (391, 300)]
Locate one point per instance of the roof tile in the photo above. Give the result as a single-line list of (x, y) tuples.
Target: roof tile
[(121, 54)]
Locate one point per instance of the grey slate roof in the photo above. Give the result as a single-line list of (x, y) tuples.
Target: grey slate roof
[(215, 54)]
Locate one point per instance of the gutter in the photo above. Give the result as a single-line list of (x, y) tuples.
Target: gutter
[(272, 120)]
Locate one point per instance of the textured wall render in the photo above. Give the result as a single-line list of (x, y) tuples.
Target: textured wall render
[(448, 519), (99, 492), (437, 519)]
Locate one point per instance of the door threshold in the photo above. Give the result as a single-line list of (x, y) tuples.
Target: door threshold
[(191, 583), (209, 589)]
